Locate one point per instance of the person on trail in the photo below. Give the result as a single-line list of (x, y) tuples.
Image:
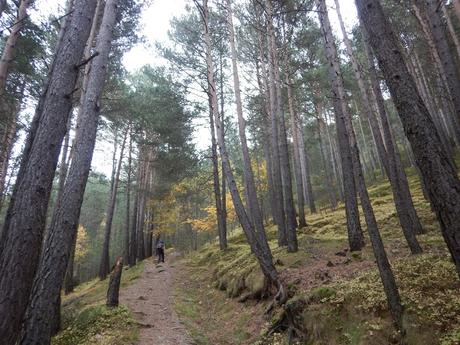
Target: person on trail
[(161, 250)]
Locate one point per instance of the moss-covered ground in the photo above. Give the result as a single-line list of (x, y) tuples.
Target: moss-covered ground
[(341, 292), (87, 321)]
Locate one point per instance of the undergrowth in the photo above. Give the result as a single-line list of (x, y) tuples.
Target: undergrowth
[(345, 312), (87, 321)]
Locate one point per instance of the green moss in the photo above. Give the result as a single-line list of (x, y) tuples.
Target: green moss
[(86, 320)]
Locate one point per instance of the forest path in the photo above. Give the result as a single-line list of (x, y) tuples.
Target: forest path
[(150, 300)]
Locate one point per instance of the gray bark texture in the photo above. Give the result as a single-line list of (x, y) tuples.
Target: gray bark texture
[(355, 234), (104, 268), (409, 226), (22, 234), (64, 223), (386, 274), (438, 174)]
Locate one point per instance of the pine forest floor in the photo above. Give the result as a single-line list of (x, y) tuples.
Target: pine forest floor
[(213, 297)]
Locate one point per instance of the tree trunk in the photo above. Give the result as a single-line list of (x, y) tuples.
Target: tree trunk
[(216, 182), (143, 163), (133, 235), (265, 92), (438, 174), (341, 110), (329, 181), (114, 284), (253, 204), (346, 147), (451, 28), (291, 221), (296, 150), (10, 45), (393, 153), (276, 162), (305, 169), (68, 279), (126, 249), (409, 227), (104, 267), (258, 243), (431, 14), (64, 222), (22, 233)]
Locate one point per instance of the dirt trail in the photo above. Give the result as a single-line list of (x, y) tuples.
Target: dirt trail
[(150, 300)]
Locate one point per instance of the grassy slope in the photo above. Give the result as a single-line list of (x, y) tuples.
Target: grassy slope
[(87, 321), (341, 296)]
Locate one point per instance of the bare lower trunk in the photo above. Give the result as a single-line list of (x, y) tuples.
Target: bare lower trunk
[(64, 222), (259, 245), (296, 150), (276, 163), (343, 117), (387, 158), (439, 176), (346, 146), (22, 233), (104, 267), (126, 249), (114, 284)]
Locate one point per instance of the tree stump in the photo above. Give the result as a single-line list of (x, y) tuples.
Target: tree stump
[(114, 283)]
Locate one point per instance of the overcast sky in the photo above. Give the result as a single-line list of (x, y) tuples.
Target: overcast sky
[(156, 16)]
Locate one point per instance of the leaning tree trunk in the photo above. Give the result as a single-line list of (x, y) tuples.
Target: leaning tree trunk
[(340, 108), (253, 204), (22, 233), (355, 234), (64, 222), (438, 174), (431, 14), (104, 267), (409, 225), (259, 245), (390, 145), (451, 28), (6, 120)]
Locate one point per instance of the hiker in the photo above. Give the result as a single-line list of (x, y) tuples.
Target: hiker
[(161, 250)]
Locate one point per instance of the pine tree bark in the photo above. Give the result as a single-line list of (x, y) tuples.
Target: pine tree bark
[(64, 223), (276, 163), (114, 284), (10, 45), (257, 241), (253, 204), (286, 179), (126, 249), (296, 151), (216, 182), (409, 225), (431, 14), (134, 222), (438, 174), (346, 146), (104, 267), (22, 233), (394, 155), (341, 110), (451, 28), (8, 121), (329, 180)]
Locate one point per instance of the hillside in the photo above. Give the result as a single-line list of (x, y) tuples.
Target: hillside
[(337, 297)]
